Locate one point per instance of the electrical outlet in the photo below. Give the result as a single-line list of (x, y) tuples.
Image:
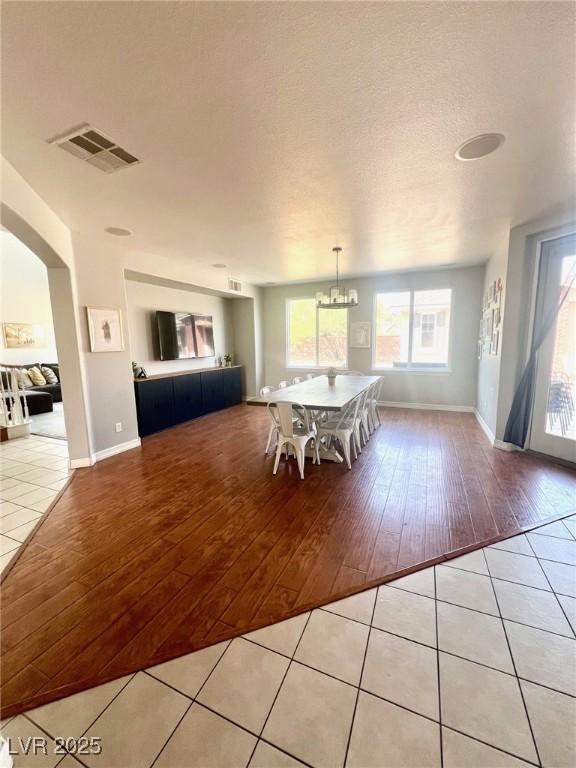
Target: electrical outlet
[(118, 426)]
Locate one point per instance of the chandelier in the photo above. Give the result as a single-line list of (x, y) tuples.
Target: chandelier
[(337, 297)]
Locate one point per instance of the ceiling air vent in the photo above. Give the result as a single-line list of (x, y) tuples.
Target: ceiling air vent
[(234, 285), (95, 148)]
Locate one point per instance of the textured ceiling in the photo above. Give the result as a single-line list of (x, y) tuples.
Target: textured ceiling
[(270, 132)]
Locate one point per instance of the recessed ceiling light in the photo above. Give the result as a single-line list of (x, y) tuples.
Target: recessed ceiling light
[(118, 231), (479, 146), (219, 266)]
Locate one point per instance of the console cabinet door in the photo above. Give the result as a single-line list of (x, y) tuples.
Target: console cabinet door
[(212, 391), (187, 397), (232, 385), (155, 406)]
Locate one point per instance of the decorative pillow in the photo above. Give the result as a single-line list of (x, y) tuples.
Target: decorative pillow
[(24, 379), (49, 375), (36, 375), (54, 368)]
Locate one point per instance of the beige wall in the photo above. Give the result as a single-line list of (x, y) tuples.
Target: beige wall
[(144, 299), (100, 283), (25, 298), (489, 365), (245, 334), (456, 387)]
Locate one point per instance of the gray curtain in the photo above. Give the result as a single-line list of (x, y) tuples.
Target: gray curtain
[(545, 315)]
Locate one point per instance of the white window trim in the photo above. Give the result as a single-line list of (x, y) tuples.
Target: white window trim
[(312, 366), (409, 367)]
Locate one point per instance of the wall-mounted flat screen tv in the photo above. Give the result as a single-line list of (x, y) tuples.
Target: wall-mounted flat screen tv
[(183, 335)]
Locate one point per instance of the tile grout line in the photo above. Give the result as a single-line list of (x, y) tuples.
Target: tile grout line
[(553, 592), (279, 689), (358, 687), (514, 665), (438, 670), (191, 698), (492, 746), (424, 645), (126, 684), (251, 733), (456, 605), (476, 573), (172, 732)]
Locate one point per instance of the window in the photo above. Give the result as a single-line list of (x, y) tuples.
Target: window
[(315, 337), (332, 337), (412, 329), (392, 335), (427, 333)]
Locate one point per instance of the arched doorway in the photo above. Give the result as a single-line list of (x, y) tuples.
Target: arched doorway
[(60, 281)]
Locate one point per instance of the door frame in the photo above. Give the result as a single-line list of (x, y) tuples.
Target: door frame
[(543, 443)]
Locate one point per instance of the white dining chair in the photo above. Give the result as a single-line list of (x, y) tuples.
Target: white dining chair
[(345, 428), (283, 384), (310, 376), (294, 430), (373, 399), (362, 425), (263, 392), (297, 379)]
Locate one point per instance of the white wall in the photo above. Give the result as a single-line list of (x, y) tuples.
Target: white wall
[(489, 365), (25, 298), (456, 387), (144, 299)]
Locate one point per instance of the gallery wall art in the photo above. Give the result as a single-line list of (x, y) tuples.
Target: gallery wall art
[(360, 335), (491, 320), (24, 336), (105, 328)]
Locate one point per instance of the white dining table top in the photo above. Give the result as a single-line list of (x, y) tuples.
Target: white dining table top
[(318, 394)]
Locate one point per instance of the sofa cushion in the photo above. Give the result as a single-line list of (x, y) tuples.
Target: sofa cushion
[(36, 376), (49, 375), (38, 402), (24, 379), (52, 389)]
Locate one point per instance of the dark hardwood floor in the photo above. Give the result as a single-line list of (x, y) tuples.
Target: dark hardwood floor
[(190, 539)]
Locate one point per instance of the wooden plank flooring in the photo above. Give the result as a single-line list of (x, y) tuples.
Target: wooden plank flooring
[(190, 539)]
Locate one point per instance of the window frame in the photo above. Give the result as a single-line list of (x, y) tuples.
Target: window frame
[(316, 365), (411, 367)]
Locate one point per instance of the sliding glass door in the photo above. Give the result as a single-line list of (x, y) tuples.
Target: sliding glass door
[(553, 428)]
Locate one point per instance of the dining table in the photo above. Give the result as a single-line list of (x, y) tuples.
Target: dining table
[(320, 394)]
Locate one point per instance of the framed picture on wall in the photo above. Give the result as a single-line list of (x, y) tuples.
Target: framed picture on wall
[(23, 336), (360, 335), (105, 328)]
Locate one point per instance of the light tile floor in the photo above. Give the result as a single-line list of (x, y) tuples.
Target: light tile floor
[(33, 470), (50, 424), (471, 664)]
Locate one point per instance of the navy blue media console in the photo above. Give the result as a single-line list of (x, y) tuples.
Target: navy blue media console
[(166, 400)]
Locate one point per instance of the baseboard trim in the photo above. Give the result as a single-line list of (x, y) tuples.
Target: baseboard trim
[(114, 449), (79, 463), (487, 431), (427, 406)]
